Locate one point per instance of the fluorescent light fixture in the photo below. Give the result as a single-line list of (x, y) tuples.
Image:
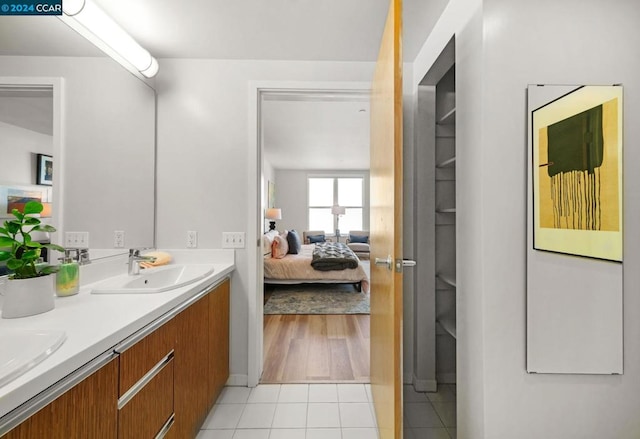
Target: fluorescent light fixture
[(86, 18)]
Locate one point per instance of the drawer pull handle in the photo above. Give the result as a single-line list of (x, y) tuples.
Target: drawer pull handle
[(166, 427), (137, 387)]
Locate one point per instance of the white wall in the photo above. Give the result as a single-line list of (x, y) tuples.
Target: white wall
[(570, 42), (19, 148), (203, 152), (502, 47), (291, 196)]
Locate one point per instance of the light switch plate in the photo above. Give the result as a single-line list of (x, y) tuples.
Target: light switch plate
[(76, 239), (233, 240)]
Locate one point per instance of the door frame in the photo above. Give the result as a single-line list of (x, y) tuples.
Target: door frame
[(56, 84), (255, 219)]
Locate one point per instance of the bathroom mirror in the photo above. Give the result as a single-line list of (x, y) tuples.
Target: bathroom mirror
[(104, 164)]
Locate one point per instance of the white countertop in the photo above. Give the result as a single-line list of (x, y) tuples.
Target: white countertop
[(95, 323)]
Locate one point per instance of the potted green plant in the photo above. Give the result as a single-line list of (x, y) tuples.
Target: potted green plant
[(29, 289)]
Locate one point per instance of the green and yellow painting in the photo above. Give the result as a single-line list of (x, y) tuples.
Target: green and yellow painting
[(577, 154)]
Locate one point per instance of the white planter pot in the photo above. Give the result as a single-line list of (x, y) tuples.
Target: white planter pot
[(27, 297)]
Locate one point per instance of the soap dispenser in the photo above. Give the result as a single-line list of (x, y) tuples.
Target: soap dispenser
[(68, 276)]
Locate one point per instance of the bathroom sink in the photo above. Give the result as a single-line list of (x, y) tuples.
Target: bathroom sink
[(154, 280), (23, 349)]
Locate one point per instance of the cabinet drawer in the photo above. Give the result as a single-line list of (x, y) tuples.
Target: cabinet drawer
[(137, 360), (87, 410), (144, 415)]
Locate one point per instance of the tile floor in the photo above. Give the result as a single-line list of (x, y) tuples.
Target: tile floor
[(430, 415), (322, 411)]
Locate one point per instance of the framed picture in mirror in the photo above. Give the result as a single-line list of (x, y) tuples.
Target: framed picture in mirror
[(45, 170)]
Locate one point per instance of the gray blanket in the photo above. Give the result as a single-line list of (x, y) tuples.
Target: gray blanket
[(328, 256)]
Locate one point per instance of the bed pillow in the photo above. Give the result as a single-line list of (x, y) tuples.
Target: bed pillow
[(279, 248), (267, 240), (316, 238), (294, 242), (362, 239)]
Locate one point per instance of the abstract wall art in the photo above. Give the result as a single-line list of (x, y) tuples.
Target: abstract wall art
[(577, 173)]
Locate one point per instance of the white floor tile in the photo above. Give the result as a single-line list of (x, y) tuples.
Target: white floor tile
[(252, 434), (294, 393), (421, 415), (356, 415), (324, 433), (447, 412), (215, 434), (223, 416), (410, 395), (234, 395), (323, 415), (429, 433), (453, 432), (352, 393), (359, 433), (445, 393), (257, 416), (264, 393), (323, 393), (289, 433), (290, 415)]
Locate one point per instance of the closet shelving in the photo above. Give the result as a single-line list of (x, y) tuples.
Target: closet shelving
[(445, 227)]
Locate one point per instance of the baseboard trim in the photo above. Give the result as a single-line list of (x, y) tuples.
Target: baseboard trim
[(425, 385), (238, 380)]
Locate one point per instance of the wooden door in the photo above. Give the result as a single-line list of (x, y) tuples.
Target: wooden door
[(386, 228)]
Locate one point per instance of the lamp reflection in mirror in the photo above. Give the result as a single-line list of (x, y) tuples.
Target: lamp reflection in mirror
[(337, 211), (273, 214), (86, 18)]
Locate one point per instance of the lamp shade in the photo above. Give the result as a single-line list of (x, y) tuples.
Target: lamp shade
[(338, 210), (273, 214)]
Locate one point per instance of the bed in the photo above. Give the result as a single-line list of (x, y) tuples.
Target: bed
[(297, 269)]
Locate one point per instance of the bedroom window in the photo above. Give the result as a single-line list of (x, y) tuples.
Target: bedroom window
[(325, 192)]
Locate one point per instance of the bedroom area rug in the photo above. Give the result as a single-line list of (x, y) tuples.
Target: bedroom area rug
[(315, 299)]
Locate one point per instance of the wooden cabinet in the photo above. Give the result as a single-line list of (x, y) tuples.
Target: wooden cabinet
[(165, 379), (87, 410), (219, 341), (202, 359), (146, 393), (192, 392)]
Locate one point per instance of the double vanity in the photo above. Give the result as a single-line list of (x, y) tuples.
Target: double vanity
[(143, 356)]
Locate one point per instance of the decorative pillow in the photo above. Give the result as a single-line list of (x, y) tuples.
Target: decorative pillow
[(294, 242), (279, 248), (267, 240), (316, 238), (363, 239)]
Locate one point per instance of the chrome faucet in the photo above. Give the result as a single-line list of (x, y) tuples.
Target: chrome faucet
[(134, 261)]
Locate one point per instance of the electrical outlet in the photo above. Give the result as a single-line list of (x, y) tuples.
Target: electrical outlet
[(233, 240), (118, 239), (192, 239), (76, 239)]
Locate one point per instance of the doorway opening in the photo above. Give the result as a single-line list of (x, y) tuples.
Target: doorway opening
[(435, 342), (312, 138)]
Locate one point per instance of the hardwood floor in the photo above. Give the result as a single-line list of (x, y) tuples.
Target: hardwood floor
[(301, 348)]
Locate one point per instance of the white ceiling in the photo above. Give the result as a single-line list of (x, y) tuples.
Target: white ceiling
[(298, 133), (28, 108), (318, 132), (332, 30)]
